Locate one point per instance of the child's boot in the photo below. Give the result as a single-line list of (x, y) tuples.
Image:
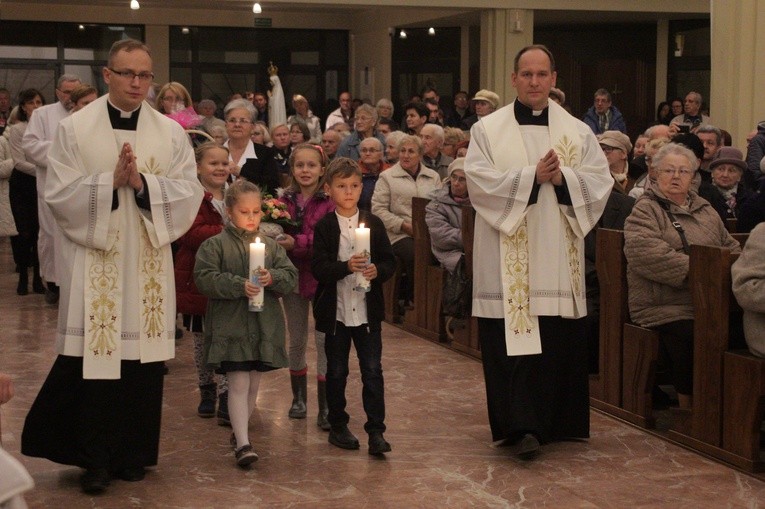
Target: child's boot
[(321, 393), (298, 410), (209, 395), (223, 418)]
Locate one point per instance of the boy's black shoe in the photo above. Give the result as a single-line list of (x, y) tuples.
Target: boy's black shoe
[(377, 444), (94, 481), (528, 447), (342, 437)]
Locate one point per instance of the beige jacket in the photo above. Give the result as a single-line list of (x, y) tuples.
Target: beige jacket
[(749, 288), (7, 224), (657, 267), (392, 198)]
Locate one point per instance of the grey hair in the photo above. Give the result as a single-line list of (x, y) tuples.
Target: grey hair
[(374, 141), (394, 137), (438, 131), (243, 104), (67, 78), (677, 150), (369, 109), (710, 129), (410, 138), (386, 103)]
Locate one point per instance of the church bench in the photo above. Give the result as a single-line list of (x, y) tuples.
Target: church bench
[(640, 359), (709, 281), (390, 296), (425, 319), (465, 339), (743, 409), (606, 384)]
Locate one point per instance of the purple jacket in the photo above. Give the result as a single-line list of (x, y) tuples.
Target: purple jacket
[(317, 207)]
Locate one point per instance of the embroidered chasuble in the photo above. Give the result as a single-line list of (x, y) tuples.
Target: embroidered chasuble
[(118, 291), (529, 238)]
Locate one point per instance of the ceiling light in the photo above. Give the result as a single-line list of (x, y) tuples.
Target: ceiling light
[(256, 8), (185, 30), (135, 5), (80, 27), (431, 31), (402, 34)]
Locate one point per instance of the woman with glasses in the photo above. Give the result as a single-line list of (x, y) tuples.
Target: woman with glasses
[(249, 160), (664, 222), (364, 124), (172, 98), (372, 164)]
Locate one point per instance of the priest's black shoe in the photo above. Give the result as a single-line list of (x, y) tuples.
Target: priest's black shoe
[(377, 444), (95, 481), (528, 447), (131, 474), (342, 437)]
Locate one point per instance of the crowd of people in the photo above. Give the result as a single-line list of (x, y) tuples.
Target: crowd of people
[(541, 183)]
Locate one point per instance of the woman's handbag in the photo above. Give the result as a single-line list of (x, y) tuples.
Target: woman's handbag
[(456, 299)]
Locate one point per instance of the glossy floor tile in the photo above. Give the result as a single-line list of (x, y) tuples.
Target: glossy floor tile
[(437, 423)]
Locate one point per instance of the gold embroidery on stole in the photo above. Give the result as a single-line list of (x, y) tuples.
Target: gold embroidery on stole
[(152, 275), (516, 281), (103, 282)]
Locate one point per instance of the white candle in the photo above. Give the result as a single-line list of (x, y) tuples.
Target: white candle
[(257, 262), (361, 246)]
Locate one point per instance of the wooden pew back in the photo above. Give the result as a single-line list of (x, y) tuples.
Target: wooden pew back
[(425, 319), (466, 340), (709, 282), (611, 264)]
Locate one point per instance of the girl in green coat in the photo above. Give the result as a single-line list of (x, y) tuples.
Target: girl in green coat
[(241, 343)]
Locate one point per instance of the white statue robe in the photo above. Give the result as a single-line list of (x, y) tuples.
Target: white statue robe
[(529, 259), (36, 144), (117, 287)]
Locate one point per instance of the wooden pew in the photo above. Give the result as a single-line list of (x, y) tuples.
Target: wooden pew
[(606, 385), (743, 409), (390, 296), (640, 358), (465, 340), (709, 281), (425, 319)]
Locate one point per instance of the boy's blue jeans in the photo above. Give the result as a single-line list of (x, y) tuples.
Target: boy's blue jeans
[(368, 343)]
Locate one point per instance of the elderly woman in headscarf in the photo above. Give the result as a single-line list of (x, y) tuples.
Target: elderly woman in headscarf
[(664, 222), (444, 216)]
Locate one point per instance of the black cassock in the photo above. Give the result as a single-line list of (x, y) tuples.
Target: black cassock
[(546, 394), (112, 424)]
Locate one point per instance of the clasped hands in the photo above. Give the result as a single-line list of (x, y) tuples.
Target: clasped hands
[(265, 279), (126, 171), (548, 169), (360, 263)]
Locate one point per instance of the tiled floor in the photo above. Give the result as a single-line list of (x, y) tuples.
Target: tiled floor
[(437, 424)]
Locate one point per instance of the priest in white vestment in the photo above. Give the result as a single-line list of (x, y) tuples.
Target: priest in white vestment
[(539, 182), (36, 144), (122, 186)]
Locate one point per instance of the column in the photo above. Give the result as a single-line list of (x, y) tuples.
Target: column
[(738, 66), (503, 33)]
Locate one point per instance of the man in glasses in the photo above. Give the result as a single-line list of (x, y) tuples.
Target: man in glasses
[(122, 186), (36, 143)]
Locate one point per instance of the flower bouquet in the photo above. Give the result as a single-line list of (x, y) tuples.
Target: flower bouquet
[(275, 216)]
